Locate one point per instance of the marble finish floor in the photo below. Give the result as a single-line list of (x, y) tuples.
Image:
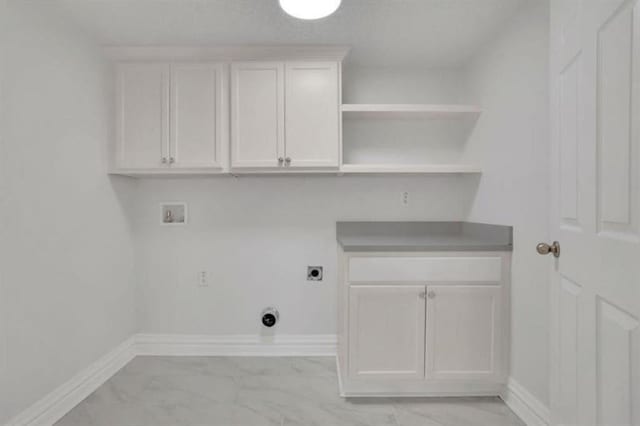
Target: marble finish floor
[(238, 391)]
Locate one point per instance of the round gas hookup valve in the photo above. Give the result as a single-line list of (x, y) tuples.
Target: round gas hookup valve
[(270, 317)]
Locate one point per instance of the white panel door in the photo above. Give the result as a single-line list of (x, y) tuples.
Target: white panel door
[(198, 125), (312, 124), (142, 115), (386, 332), (257, 115), (464, 333), (596, 212)]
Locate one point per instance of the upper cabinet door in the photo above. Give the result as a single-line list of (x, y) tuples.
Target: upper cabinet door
[(464, 333), (257, 114), (198, 125), (142, 114), (312, 136)]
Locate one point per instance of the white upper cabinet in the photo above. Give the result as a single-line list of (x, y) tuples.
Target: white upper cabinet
[(227, 109), (285, 116), (312, 135), (142, 108), (171, 118), (198, 114), (257, 116)]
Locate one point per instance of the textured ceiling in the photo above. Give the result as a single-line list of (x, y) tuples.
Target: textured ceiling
[(381, 32)]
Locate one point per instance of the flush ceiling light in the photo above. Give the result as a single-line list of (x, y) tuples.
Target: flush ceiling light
[(310, 9)]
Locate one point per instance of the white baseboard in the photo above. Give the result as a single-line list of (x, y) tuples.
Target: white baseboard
[(525, 405), (339, 372), (239, 345), (56, 404)]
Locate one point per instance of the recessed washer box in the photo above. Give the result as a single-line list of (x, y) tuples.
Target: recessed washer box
[(173, 213)]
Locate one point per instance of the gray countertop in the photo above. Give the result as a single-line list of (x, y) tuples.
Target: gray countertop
[(423, 236)]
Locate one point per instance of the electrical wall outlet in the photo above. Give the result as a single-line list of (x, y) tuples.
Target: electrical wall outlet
[(203, 279), (314, 273)]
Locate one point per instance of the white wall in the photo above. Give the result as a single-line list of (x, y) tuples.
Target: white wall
[(256, 237), (511, 142), (393, 85), (67, 258)]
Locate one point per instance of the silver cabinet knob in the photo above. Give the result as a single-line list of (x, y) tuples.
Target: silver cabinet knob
[(164, 160), (287, 161), (423, 295), (280, 160), (431, 295), (544, 249), (172, 160)]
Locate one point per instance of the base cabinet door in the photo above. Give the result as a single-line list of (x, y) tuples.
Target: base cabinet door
[(464, 333), (386, 328)]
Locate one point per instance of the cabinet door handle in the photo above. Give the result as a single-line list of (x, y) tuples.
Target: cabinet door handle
[(172, 160), (431, 295), (423, 295), (164, 160), (287, 161), (280, 161)]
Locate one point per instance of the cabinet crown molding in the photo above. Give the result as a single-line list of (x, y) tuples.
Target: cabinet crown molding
[(227, 53)]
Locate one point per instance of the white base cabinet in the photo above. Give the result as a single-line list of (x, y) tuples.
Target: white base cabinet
[(427, 324)]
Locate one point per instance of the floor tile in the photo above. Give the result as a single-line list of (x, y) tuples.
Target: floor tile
[(259, 391), (454, 412)]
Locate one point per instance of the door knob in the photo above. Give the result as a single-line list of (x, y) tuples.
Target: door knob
[(544, 249)]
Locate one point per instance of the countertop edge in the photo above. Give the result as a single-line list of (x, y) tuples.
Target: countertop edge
[(423, 237), (418, 249)]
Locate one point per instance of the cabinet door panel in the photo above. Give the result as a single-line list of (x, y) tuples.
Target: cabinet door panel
[(386, 329), (257, 115), (312, 114), (464, 333), (197, 111), (142, 116)]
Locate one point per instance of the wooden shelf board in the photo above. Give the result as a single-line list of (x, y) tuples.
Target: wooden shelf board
[(409, 110), (409, 169)]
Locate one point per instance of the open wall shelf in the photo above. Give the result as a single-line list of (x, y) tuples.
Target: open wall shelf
[(375, 169), (409, 111), (427, 145)]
